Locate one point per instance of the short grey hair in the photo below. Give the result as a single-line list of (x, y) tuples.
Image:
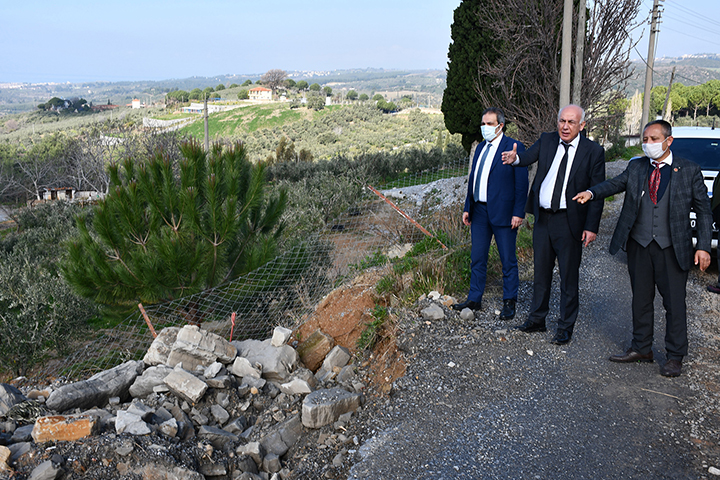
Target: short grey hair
[(582, 112)]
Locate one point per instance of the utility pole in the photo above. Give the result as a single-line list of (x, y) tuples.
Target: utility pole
[(566, 49), (650, 61), (207, 130), (579, 53), (667, 97)]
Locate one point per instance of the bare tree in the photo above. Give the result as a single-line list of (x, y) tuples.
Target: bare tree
[(89, 157), (37, 173), (273, 78), (527, 73)]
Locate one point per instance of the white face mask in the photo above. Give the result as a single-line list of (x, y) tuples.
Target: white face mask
[(654, 150), (488, 132)]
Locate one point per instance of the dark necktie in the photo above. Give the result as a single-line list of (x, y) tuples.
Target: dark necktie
[(560, 180), (654, 182), (479, 173)]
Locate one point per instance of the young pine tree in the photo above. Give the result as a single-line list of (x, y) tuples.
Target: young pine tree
[(165, 231)]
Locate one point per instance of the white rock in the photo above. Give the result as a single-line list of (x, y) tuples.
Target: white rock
[(451, 364), (130, 423), (338, 357), (280, 336), (467, 314), (713, 471), (169, 427), (243, 368), (212, 370), (277, 362), (186, 385), (434, 295), (399, 251), (433, 312), (162, 345), (295, 386)]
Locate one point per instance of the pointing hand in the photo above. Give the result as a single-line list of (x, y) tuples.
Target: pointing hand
[(583, 197), (508, 158)]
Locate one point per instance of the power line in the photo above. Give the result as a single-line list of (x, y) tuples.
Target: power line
[(702, 17), (658, 73), (692, 36)]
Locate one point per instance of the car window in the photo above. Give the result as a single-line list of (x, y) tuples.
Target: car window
[(703, 151)]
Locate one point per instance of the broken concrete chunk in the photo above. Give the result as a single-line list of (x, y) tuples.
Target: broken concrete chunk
[(97, 390), (186, 385), (47, 470), (338, 357), (323, 407), (217, 436), (295, 387), (194, 347), (242, 367), (9, 397), (253, 450), (280, 336), (277, 362), (161, 347), (220, 415), (130, 423), (150, 378)]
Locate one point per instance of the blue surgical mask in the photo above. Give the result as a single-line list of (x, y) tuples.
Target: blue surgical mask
[(488, 132)]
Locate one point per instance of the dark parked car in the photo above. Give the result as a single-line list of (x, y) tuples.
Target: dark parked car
[(702, 146)]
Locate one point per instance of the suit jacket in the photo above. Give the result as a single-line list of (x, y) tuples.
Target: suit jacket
[(686, 189), (588, 169), (507, 186)]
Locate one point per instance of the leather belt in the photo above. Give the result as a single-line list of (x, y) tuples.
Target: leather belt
[(547, 210)]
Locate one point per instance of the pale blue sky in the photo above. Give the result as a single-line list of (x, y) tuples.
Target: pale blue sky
[(686, 27), (110, 40)]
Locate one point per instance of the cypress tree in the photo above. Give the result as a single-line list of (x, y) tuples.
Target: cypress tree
[(461, 106)]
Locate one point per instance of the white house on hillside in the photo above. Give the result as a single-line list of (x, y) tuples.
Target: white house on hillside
[(260, 93)]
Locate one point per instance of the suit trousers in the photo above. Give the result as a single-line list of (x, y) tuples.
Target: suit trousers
[(552, 239), (482, 231), (649, 267)]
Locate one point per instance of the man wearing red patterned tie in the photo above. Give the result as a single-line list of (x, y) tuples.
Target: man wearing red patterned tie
[(660, 190)]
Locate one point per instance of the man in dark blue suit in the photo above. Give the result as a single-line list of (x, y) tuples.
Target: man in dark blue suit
[(568, 163), (494, 205)]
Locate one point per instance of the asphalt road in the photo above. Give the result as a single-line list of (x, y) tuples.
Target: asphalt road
[(481, 400)]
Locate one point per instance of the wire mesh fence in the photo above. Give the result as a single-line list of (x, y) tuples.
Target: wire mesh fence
[(286, 290)]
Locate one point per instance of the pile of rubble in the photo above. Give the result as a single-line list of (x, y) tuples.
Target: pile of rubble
[(197, 406)]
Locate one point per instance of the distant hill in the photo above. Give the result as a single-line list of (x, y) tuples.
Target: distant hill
[(24, 97), (690, 70)]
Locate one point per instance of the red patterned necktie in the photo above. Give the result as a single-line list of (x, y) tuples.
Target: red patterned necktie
[(655, 182)]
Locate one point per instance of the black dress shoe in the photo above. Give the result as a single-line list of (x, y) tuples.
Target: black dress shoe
[(632, 356), (672, 368), (530, 327), (562, 337), (466, 304), (508, 311)]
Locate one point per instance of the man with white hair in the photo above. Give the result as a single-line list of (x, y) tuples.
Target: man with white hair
[(568, 163)]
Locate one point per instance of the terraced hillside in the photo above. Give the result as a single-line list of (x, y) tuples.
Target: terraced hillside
[(346, 129)]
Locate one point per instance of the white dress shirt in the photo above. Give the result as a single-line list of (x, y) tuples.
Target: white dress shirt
[(548, 185), (483, 176)]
